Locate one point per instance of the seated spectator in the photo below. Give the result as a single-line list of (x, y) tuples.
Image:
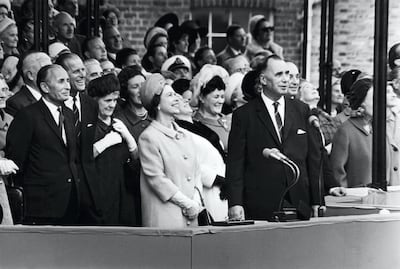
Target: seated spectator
[(204, 55), (170, 196), (93, 70), (127, 57), (154, 58), (261, 32), (113, 148), (56, 49), (178, 41), (9, 37), (64, 28), (26, 35), (236, 40), (5, 8), (108, 67), (155, 36), (394, 56), (94, 48), (352, 143), (237, 63), (11, 73), (179, 65), (112, 15), (113, 41)]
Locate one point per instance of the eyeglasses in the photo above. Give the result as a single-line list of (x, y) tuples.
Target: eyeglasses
[(268, 29)]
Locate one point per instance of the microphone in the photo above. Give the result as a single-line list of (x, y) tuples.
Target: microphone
[(314, 121), (275, 154)]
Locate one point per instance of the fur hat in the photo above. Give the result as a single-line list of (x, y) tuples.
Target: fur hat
[(152, 34)]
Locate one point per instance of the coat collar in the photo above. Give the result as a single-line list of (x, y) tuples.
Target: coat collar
[(359, 123), (175, 133)]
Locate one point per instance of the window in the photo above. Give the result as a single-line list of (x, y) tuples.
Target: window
[(218, 19)]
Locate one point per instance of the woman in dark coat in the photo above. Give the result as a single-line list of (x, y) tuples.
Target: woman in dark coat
[(113, 149)]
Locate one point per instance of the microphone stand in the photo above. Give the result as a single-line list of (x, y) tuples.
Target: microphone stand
[(321, 173), (287, 214)]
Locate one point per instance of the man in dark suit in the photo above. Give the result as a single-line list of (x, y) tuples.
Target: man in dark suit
[(41, 141), (29, 93), (257, 183), (85, 114), (236, 39)]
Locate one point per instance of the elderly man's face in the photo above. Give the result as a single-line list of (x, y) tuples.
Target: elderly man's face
[(93, 71), (275, 79), (97, 50), (113, 40), (77, 73), (65, 27), (58, 87)]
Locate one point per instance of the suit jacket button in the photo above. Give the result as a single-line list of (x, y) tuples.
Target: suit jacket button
[(188, 178), (69, 180), (185, 157), (395, 168)]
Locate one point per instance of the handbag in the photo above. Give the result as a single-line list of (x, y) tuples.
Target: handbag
[(204, 218)]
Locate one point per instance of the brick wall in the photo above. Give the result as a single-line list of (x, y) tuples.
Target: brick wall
[(353, 34), (139, 15)]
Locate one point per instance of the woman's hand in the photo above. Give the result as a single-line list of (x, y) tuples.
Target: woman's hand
[(121, 128), (8, 167)]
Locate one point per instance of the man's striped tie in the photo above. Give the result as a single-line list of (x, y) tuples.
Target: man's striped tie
[(278, 119), (76, 117)]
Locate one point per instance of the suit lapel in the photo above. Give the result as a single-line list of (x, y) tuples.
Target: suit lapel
[(28, 94), (69, 130), (264, 117), (290, 115)]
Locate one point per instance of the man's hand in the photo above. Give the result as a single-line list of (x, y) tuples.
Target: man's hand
[(337, 191), (236, 212)]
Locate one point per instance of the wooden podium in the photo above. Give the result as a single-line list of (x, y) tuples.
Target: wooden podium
[(5, 206)]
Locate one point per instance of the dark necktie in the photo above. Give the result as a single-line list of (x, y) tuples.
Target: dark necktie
[(278, 118), (76, 116), (60, 121)]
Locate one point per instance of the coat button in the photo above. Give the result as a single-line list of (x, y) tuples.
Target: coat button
[(188, 178), (69, 180), (185, 157), (395, 168), (188, 222), (395, 149)]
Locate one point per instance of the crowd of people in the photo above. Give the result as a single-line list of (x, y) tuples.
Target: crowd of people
[(95, 134)]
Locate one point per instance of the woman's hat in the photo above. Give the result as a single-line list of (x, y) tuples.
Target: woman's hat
[(5, 23), (154, 85), (192, 27), (152, 34), (166, 19)]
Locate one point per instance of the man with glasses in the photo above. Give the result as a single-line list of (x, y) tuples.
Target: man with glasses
[(261, 32)]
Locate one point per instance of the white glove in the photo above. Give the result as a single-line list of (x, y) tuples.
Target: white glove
[(110, 139), (190, 208), (121, 128), (8, 167)]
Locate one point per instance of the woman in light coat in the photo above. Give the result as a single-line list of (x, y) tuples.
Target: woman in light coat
[(170, 180)]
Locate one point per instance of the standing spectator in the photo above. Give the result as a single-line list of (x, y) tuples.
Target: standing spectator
[(29, 93), (261, 32), (155, 36), (204, 55), (136, 119), (178, 41), (169, 195), (236, 43), (113, 148), (352, 143), (85, 117), (211, 100), (42, 142), (294, 79)]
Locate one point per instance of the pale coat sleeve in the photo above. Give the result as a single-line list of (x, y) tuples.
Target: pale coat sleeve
[(153, 168), (339, 156), (211, 162)]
